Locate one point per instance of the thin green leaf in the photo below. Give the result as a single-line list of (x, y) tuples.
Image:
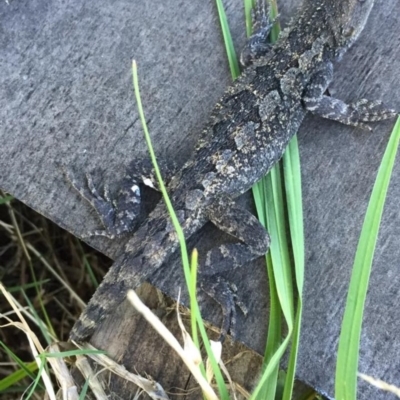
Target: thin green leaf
[(87, 265), (291, 168), (248, 9), (269, 199), (85, 387), (349, 341), (274, 335), (192, 293), (230, 49), (36, 382), (274, 34), (17, 376), (27, 286), (5, 199), (276, 222), (69, 353), (184, 254), (47, 330), (269, 369), (267, 391), (280, 272), (26, 369)]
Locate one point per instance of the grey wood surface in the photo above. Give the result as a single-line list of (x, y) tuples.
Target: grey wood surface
[(137, 345), (66, 96)]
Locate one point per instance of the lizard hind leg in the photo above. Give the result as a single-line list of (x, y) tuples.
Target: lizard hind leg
[(356, 114), (253, 242), (224, 293), (117, 216), (258, 45)]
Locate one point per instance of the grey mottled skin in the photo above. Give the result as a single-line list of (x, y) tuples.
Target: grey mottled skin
[(246, 135)]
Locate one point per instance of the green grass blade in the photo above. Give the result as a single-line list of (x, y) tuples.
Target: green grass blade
[(292, 363), (27, 286), (36, 382), (184, 254), (349, 341), (69, 353), (248, 7), (269, 369), (26, 369), (268, 197), (282, 272), (277, 27), (274, 334), (46, 329), (15, 377), (279, 271), (192, 293), (163, 189), (268, 389), (230, 49), (291, 167), (85, 387), (276, 224), (87, 265), (5, 199)]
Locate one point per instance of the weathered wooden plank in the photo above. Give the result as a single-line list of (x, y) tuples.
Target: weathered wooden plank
[(137, 345), (66, 96)]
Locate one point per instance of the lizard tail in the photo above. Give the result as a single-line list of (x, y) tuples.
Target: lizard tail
[(126, 273), (111, 292)]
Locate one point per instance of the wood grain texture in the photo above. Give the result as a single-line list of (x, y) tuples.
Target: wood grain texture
[(66, 96)]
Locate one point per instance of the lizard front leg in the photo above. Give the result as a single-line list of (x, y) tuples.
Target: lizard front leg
[(254, 242), (257, 44), (122, 214), (356, 114)]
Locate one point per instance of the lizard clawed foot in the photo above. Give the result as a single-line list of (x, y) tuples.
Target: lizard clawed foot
[(258, 45), (260, 16), (117, 216), (358, 114), (368, 111), (224, 293)]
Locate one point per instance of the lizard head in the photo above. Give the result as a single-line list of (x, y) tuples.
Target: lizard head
[(349, 19)]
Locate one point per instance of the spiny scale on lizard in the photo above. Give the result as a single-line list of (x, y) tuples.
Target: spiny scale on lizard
[(247, 134)]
